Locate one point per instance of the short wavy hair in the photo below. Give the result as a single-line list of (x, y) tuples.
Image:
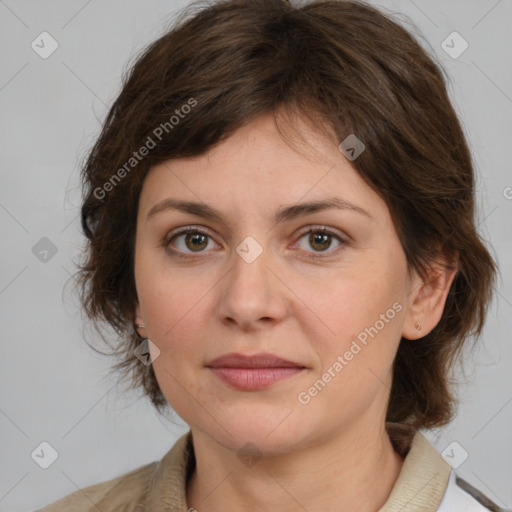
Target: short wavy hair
[(340, 64)]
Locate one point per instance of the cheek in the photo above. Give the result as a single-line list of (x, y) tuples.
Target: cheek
[(175, 313), (364, 311), (356, 362), (357, 302), (175, 308)]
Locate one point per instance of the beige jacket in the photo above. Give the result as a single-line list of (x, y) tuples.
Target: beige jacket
[(426, 483)]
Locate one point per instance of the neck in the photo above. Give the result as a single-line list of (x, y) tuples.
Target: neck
[(355, 470)]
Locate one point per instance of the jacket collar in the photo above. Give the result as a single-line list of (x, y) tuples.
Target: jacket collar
[(424, 475), (169, 484)]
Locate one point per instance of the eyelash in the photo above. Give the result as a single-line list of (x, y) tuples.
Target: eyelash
[(314, 229)]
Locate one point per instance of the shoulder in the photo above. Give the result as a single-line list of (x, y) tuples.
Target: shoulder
[(148, 487), (460, 495), (427, 481), (128, 490)]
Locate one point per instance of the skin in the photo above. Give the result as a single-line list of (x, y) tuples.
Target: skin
[(332, 453)]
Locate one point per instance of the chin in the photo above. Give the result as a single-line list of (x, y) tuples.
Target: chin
[(265, 431)]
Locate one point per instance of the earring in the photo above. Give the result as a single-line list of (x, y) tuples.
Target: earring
[(418, 326)]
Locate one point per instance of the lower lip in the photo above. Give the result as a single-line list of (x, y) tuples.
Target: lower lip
[(254, 378)]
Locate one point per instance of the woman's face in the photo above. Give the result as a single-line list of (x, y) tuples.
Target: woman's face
[(335, 303)]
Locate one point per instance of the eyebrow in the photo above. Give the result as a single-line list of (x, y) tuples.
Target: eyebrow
[(283, 214)]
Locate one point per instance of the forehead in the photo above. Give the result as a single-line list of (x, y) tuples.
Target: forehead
[(256, 170)]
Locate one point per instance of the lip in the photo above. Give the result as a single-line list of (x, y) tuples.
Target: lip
[(263, 360), (253, 372)]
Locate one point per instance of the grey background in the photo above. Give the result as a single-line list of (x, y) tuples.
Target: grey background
[(54, 387)]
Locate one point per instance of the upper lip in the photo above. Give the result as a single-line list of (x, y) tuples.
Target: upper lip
[(234, 360)]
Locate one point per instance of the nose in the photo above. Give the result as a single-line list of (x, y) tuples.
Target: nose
[(252, 294)]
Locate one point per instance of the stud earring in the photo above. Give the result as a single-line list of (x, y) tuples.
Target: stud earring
[(418, 326)]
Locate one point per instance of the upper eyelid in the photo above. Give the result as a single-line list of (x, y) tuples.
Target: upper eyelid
[(301, 231), (184, 230)]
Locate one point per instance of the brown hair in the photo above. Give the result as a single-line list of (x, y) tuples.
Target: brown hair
[(341, 64)]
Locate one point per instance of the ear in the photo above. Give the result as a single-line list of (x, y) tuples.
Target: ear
[(428, 298)]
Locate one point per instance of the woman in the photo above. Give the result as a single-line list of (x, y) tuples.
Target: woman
[(280, 216)]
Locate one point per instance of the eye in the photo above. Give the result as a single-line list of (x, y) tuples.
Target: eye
[(320, 239), (192, 240), (188, 240)]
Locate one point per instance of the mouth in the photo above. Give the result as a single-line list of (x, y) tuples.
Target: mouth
[(254, 372)]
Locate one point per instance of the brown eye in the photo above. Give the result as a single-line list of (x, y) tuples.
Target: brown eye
[(320, 240), (189, 241), (196, 241)]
